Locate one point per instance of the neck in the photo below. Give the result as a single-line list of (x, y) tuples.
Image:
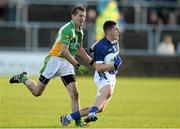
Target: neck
[(76, 26), (109, 38)]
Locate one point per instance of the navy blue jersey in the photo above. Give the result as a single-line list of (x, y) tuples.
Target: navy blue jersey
[(103, 48)]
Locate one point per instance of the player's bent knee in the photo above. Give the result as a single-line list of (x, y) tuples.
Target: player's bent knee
[(37, 94), (101, 110), (43, 80), (108, 95)]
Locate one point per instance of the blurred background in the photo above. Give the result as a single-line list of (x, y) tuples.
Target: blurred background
[(149, 41)]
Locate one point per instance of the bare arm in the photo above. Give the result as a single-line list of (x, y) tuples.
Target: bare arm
[(104, 67), (67, 55), (82, 53)]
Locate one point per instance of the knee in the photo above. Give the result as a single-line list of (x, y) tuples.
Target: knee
[(37, 93), (101, 110), (108, 95)]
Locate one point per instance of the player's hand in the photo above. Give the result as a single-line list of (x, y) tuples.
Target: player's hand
[(82, 69), (117, 62)]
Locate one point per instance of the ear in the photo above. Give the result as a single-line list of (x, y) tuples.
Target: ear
[(72, 16)]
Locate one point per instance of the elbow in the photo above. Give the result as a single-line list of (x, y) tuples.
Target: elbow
[(63, 52)]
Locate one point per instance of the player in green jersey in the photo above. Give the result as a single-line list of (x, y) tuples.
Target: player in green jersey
[(61, 60)]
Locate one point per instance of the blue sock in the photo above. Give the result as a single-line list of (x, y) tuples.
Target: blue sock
[(94, 109), (75, 115)]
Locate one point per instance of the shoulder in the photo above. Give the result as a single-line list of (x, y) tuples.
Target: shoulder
[(100, 47), (100, 43), (68, 27)]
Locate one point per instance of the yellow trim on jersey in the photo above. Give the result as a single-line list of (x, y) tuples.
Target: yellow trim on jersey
[(55, 51)]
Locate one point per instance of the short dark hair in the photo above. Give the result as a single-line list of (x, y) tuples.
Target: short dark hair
[(108, 25), (76, 8)]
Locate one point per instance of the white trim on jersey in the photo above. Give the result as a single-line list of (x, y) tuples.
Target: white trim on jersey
[(99, 62)]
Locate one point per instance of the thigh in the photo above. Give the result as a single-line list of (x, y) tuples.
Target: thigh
[(51, 68), (66, 68), (70, 83), (102, 82), (68, 79), (57, 66)]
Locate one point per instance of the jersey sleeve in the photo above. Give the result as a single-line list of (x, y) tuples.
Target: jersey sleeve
[(66, 36), (99, 53)]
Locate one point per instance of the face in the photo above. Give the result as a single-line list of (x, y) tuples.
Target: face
[(168, 39), (79, 18), (114, 33)]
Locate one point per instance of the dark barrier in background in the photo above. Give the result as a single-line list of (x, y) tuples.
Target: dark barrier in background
[(135, 39), (11, 36), (47, 37), (164, 66), (150, 66), (49, 13)]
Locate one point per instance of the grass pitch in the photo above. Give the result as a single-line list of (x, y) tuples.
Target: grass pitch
[(136, 103)]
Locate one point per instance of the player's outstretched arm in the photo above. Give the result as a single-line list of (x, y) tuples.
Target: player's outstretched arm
[(82, 53), (82, 69)]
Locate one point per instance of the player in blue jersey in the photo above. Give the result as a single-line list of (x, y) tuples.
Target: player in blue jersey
[(105, 74)]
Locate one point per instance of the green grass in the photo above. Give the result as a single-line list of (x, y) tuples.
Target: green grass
[(136, 103)]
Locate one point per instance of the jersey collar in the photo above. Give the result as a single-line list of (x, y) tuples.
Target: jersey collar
[(75, 26), (113, 42)]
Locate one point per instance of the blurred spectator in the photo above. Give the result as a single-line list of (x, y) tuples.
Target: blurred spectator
[(154, 19), (3, 10), (91, 19), (167, 46), (164, 15), (177, 11), (178, 47), (172, 20), (169, 16)]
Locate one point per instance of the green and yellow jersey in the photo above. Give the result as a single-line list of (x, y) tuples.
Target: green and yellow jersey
[(69, 35)]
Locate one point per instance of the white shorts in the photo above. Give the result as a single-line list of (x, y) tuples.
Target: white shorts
[(57, 66), (110, 79)]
